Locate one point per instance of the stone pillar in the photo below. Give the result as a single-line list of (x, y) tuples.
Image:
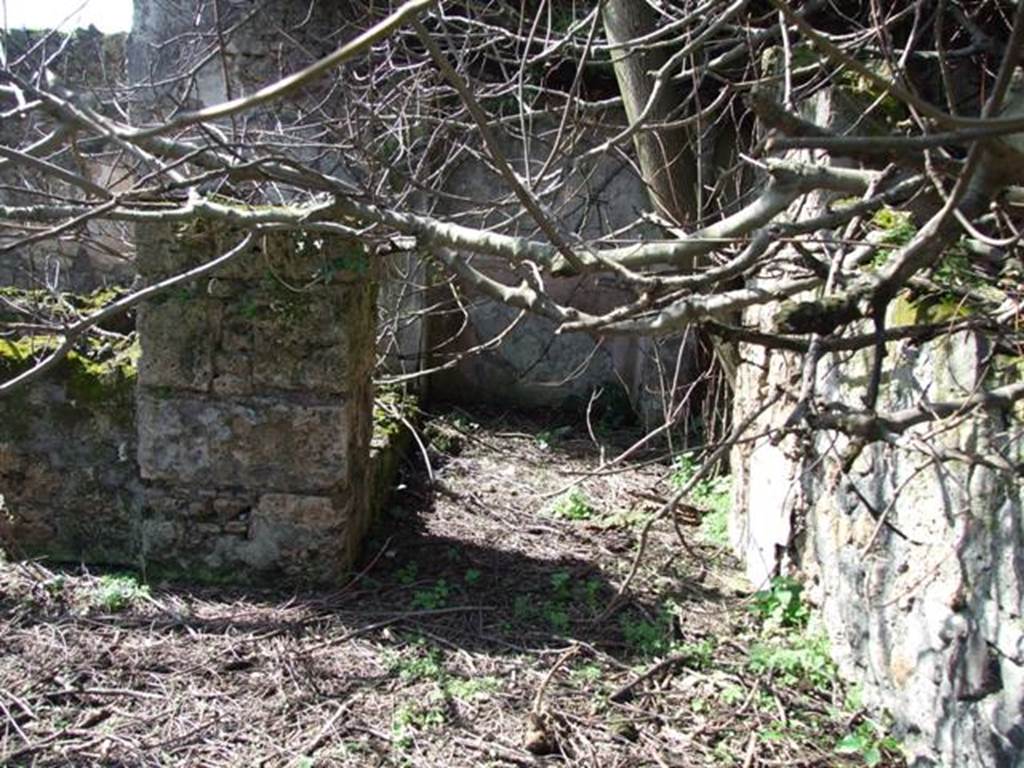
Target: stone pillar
[(254, 406)]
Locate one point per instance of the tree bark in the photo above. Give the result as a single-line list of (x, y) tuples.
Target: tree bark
[(664, 155)]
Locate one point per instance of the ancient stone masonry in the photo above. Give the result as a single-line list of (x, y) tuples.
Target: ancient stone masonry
[(911, 546), (69, 488), (254, 406), (242, 453), (916, 562)]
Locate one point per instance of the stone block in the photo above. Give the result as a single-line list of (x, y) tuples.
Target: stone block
[(166, 250), (307, 537), (287, 509), (258, 443), (178, 339), (316, 341)]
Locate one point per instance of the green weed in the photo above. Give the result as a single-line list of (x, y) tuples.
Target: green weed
[(475, 688), (116, 592), (561, 585), (586, 673), (699, 655), (870, 742), (432, 598), (795, 660), (409, 719), (573, 505), (954, 270), (795, 656), (424, 663), (646, 637), (557, 617), (714, 527), (897, 228), (713, 494), (633, 518), (732, 694), (782, 604), (407, 573)]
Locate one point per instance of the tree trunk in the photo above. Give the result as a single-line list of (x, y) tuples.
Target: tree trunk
[(665, 158)]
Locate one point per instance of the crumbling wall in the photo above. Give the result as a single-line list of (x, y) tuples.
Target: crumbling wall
[(238, 449), (532, 366), (915, 556), (911, 547), (254, 406), (69, 485)]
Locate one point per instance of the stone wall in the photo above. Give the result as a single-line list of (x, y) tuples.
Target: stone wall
[(241, 449), (532, 366), (915, 557), (69, 486), (254, 406)]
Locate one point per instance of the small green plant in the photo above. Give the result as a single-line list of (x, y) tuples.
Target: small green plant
[(774, 732), (407, 573), (699, 655), (586, 673), (472, 576), (116, 592), (556, 616), (409, 719), (561, 584), (714, 527), (954, 271), (795, 660), (423, 663), (465, 690), (632, 518), (896, 228), (573, 505), (732, 694), (556, 610), (713, 494), (432, 598), (646, 637), (869, 741), (782, 604), (724, 754)]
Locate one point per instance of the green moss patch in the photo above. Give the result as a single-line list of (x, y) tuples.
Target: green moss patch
[(920, 310), (390, 405), (97, 371), (896, 229)]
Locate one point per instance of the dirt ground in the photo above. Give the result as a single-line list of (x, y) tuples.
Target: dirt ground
[(482, 628)]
